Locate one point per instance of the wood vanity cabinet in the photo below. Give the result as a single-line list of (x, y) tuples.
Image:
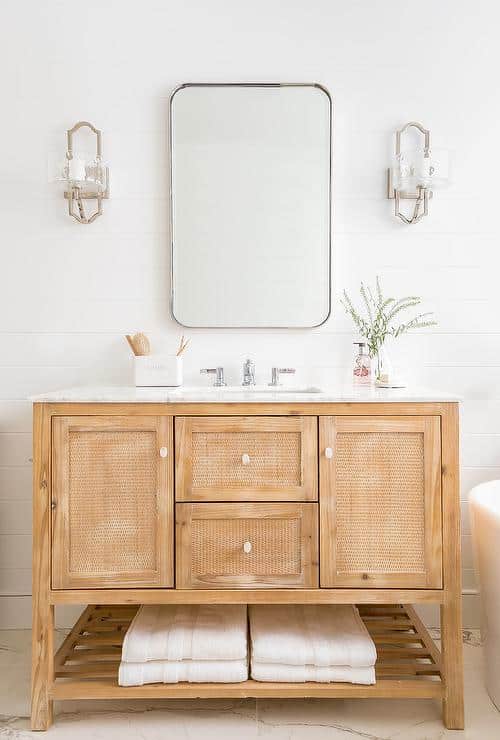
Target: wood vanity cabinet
[(309, 503)]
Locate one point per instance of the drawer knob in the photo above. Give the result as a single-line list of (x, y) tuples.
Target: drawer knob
[(245, 459), (247, 547), (163, 452), (328, 453)]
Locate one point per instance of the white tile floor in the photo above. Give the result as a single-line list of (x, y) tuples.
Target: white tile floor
[(240, 720)]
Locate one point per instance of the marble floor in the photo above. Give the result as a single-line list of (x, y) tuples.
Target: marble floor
[(241, 720)]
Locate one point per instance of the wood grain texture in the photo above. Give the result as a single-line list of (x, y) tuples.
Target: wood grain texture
[(210, 539), (112, 502), (380, 502), (42, 663), (109, 689), (451, 609), (248, 409), (281, 463), (249, 596)]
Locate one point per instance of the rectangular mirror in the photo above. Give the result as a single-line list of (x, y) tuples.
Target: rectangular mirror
[(251, 205)]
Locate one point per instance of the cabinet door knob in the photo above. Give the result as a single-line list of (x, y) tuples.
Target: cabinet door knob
[(163, 452), (328, 452), (245, 459), (247, 547)]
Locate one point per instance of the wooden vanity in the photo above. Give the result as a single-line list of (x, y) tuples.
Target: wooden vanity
[(276, 501)]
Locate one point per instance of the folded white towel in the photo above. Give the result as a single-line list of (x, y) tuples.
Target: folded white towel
[(310, 635), (322, 674), (195, 671), (173, 632)]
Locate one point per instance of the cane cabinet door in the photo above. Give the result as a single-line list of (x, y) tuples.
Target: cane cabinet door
[(112, 502), (380, 502)]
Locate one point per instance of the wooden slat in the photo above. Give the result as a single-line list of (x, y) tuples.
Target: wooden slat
[(408, 663), (426, 638), (72, 638)]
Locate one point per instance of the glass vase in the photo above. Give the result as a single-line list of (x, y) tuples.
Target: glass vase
[(383, 366)]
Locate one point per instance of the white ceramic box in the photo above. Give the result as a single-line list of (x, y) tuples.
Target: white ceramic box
[(158, 370)]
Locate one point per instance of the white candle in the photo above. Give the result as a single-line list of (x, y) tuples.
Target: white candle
[(77, 169)]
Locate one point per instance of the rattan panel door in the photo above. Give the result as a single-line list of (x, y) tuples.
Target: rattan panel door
[(244, 458), (112, 502), (246, 545), (380, 502)]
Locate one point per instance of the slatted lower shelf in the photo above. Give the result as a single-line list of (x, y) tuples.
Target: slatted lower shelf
[(408, 663)]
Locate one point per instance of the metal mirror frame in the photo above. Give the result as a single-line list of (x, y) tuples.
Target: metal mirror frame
[(171, 199)]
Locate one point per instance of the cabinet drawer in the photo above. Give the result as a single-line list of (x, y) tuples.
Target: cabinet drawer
[(247, 545), (246, 459)]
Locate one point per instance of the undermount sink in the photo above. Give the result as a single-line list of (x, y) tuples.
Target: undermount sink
[(257, 389)]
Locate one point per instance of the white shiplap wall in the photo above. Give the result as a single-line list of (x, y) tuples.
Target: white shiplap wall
[(69, 292)]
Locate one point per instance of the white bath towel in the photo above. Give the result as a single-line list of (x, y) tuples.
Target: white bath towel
[(321, 674), (172, 632), (310, 635), (195, 671)]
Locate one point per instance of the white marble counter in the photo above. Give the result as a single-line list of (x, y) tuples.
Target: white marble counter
[(236, 394)]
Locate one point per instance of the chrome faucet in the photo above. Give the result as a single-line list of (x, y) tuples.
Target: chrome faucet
[(219, 381), (277, 371), (248, 372)]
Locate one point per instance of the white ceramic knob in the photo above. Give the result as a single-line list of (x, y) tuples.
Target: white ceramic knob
[(245, 459), (247, 547), (163, 452), (328, 453)]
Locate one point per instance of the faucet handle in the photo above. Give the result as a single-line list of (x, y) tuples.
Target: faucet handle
[(277, 371), (218, 372)]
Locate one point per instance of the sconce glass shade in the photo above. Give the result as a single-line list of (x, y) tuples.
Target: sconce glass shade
[(83, 170), (420, 168)]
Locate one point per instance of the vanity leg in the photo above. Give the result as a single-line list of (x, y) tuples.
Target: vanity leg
[(451, 609), (42, 669), (452, 663), (42, 656)]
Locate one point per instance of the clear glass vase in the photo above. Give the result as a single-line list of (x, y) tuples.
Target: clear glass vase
[(384, 370)]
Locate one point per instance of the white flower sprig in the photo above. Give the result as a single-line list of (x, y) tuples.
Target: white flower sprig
[(380, 314)]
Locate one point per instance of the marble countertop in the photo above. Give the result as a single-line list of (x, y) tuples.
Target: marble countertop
[(236, 394)]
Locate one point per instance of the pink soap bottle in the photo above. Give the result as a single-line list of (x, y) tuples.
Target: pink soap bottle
[(362, 372)]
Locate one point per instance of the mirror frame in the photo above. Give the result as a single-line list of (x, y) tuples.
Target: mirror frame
[(171, 198)]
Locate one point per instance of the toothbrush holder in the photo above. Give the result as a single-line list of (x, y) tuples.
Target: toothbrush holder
[(158, 370)]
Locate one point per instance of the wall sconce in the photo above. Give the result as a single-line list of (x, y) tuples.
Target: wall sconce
[(415, 174), (86, 176)]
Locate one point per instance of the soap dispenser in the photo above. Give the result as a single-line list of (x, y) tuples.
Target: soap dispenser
[(362, 374)]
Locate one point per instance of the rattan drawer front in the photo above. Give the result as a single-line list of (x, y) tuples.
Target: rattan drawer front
[(246, 545), (380, 502), (246, 459), (112, 502)]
